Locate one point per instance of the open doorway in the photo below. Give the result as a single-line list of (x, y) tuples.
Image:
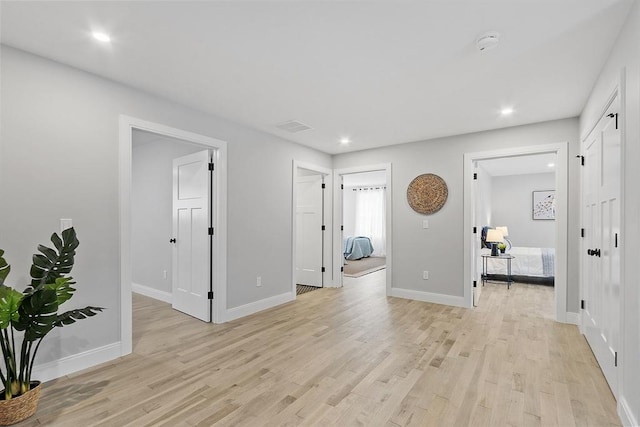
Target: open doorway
[(364, 221), (515, 212), (170, 218), (362, 238), (213, 257), (479, 215), (312, 223)]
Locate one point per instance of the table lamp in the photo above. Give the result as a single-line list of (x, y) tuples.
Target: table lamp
[(504, 230), (494, 237)]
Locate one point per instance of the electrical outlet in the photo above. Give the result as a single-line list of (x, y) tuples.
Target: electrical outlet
[(259, 281), (425, 275), (425, 223), (164, 274)]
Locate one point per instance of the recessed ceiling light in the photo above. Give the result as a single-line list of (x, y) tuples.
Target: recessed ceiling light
[(550, 165), (102, 37), (506, 111), (344, 140)]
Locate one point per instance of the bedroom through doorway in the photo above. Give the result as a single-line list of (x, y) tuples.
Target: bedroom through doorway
[(514, 215), (364, 242)]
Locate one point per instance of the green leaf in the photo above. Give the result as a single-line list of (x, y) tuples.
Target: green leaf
[(9, 302), (71, 316), (63, 289), (4, 267), (52, 264), (38, 313)]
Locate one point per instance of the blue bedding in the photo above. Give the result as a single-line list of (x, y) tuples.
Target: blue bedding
[(357, 247)]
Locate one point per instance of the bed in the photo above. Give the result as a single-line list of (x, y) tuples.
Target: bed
[(357, 247), (530, 265)]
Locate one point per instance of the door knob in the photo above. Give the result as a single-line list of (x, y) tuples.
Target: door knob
[(172, 240), (589, 252), (597, 252)]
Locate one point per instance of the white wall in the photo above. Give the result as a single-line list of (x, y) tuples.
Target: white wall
[(483, 197), (626, 55), (151, 207), (511, 206), (349, 211), (416, 249), (59, 159)]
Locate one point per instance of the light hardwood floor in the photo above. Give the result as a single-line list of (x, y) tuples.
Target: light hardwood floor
[(341, 357)]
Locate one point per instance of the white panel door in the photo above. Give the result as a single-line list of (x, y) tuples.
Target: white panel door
[(191, 247), (309, 234), (601, 252)]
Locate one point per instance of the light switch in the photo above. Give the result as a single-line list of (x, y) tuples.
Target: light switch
[(65, 223), (425, 223)]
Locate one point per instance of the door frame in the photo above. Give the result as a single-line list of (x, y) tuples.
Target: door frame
[(337, 214), (618, 92), (562, 167), (219, 257), (327, 277)]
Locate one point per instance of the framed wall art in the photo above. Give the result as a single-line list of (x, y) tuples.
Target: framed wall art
[(544, 205)]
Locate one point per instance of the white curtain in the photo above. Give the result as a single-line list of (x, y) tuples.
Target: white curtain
[(371, 218)]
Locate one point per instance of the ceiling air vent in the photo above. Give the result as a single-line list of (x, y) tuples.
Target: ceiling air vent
[(293, 126)]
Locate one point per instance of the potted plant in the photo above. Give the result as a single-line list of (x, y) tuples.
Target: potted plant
[(502, 247), (27, 317)]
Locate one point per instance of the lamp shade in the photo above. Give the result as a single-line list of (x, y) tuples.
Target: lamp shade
[(494, 236), (504, 229)]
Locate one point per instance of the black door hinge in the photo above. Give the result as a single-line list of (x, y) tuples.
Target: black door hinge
[(616, 240), (475, 284), (323, 186), (210, 231), (323, 269), (615, 358), (342, 228), (475, 176), (211, 167), (341, 268), (582, 232), (323, 228), (582, 304), (475, 230), (210, 295), (342, 186)]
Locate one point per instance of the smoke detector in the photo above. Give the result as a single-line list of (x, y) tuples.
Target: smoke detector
[(488, 41)]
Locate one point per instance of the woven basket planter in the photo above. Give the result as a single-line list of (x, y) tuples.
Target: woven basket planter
[(19, 408)]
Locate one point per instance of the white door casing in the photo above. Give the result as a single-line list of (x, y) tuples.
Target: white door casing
[(561, 151), (600, 250), (475, 240), (191, 239), (309, 233)]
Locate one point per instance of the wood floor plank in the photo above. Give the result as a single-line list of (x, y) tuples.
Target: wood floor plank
[(349, 356)]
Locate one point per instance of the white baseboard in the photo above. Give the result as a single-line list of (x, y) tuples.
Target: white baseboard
[(76, 362), (254, 307), (572, 318), (625, 414), (428, 297), (152, 293)]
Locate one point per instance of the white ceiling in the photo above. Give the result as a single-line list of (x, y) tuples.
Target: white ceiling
[(380, 73)]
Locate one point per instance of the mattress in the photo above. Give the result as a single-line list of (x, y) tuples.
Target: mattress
[(532, 262)]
